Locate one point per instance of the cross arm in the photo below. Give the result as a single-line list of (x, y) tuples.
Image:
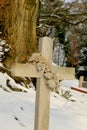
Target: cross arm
[(26, 70)]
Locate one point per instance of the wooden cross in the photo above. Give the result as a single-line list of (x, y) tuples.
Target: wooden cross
[(42, 105)]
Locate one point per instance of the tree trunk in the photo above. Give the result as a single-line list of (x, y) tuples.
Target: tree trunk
[(20, 26)]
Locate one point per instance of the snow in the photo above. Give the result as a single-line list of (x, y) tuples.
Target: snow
[(17, 108), (4, 77), (54, 64), (69, 115)]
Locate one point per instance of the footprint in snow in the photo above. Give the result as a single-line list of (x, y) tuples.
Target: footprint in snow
[(17, 119)]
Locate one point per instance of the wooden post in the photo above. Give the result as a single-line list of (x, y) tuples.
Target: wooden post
[(81, 80), (43, 93)]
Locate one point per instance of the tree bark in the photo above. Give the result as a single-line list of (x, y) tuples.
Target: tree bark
[(20, 25)]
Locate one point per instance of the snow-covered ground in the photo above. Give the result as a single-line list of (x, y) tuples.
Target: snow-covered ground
[(17, 108)]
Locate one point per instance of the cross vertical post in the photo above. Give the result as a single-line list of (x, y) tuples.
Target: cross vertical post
[(42, 106)]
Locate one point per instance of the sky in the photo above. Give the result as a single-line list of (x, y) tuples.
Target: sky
[(69, 0)]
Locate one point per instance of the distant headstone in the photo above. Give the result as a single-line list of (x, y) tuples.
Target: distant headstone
[(81, 80)]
